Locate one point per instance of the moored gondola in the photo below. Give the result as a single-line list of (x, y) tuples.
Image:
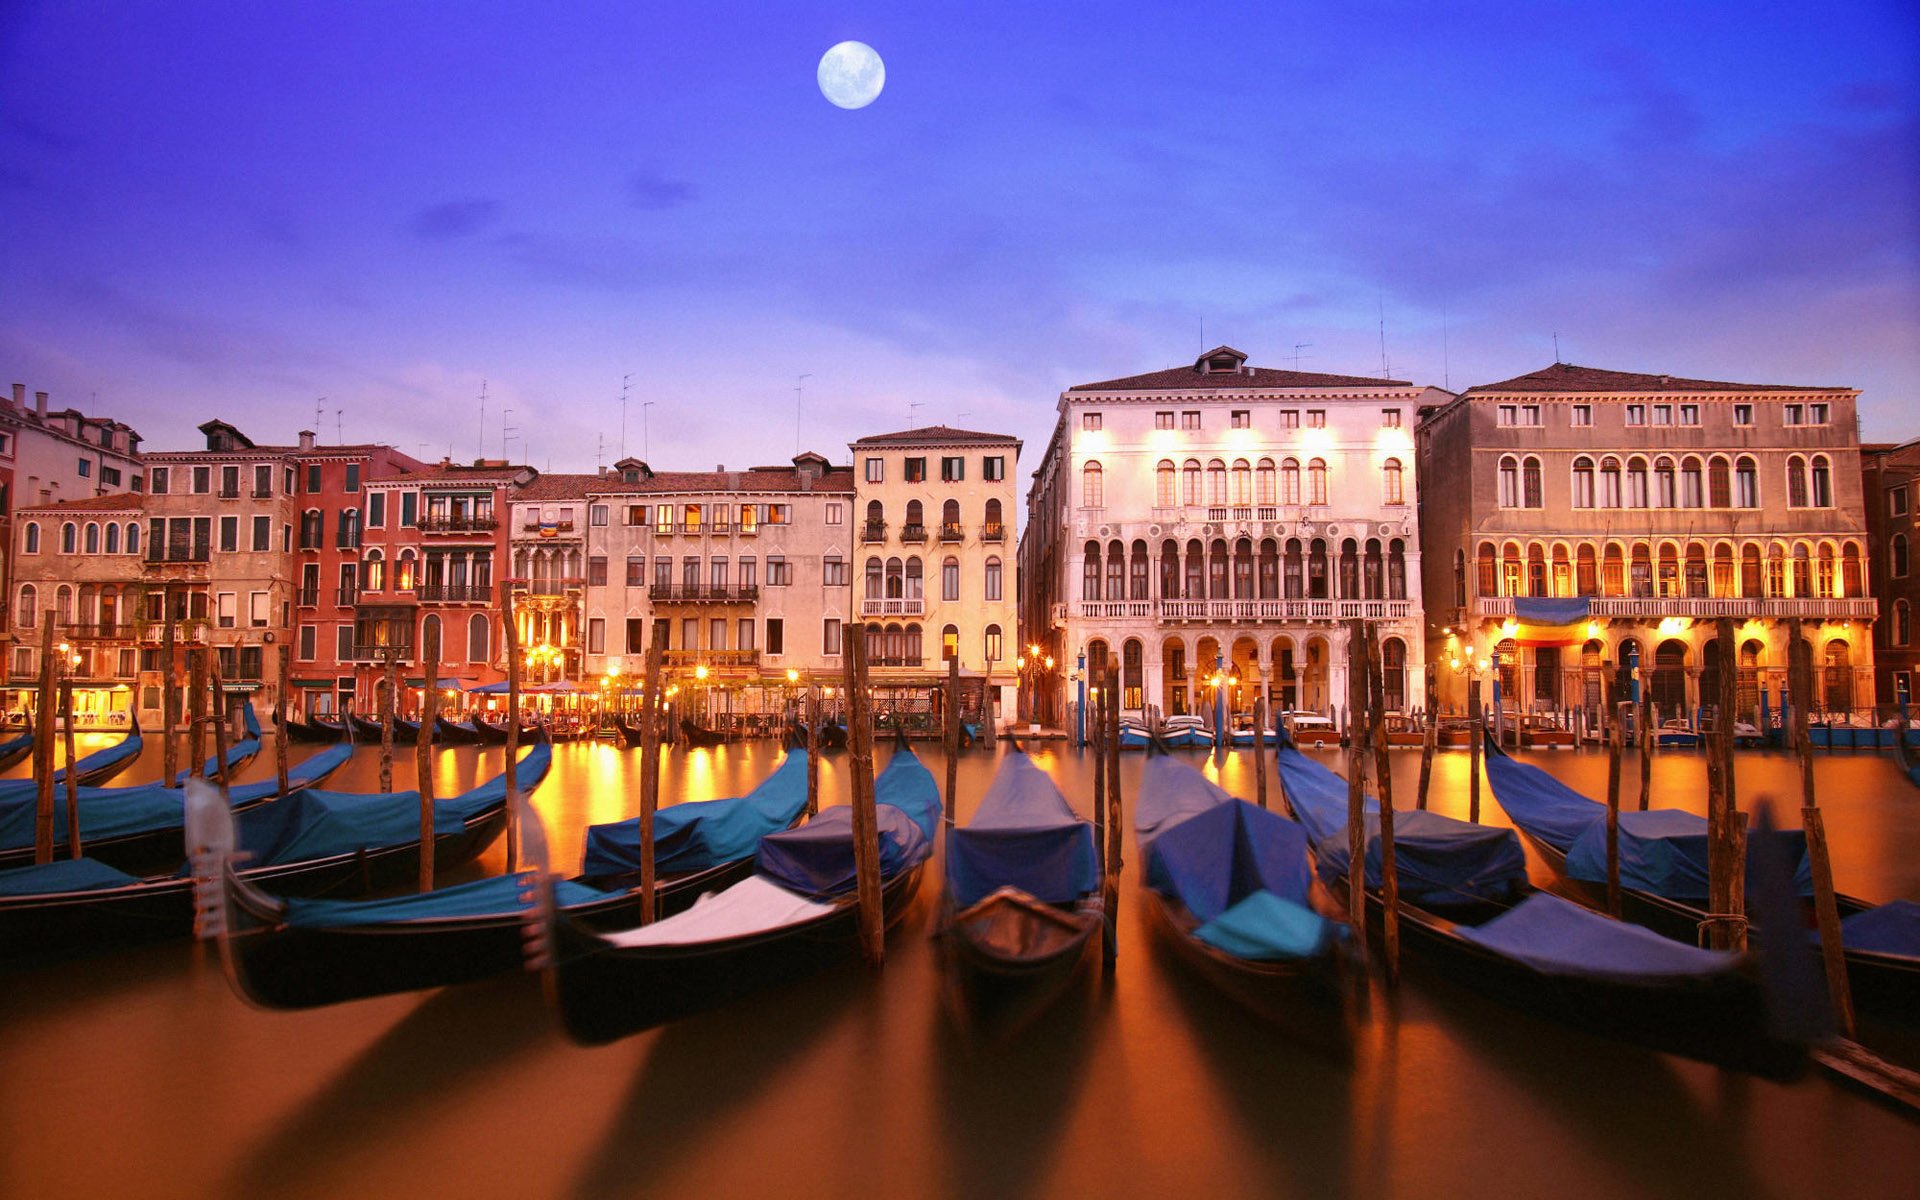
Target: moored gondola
[(316, 729), (91, 770), (454, 733), (1467, 912), (15, 749), (367, 729), (631, 734), (1663, 876), (697, 734), (1023, 892), (1229, 890), (793, 916)]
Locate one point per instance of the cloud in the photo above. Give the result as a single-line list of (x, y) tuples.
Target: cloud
[(652, 193), (454, 218)]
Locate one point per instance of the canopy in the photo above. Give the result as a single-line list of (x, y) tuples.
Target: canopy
[(1557, 937), (1023, 835), (62, 875), (1889, 929), (695, 835), (501, 895), (1439, 860), (817, 858), (492, 689)]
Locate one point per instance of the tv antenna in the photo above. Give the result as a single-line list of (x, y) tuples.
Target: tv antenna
[(599, 452), (339, 437), (505, 430), (625, 380), (1556, 347), (1297, 348), (319, 414), (1385, 371), (646, 434), (913, 408), (482, 451), (799, 394)]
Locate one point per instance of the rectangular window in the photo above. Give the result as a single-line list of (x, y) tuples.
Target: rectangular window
[(227, 609), (229, 481), (1240, 418), (953, 470), (1390, 418), (663, 519), (835, 513), (157, 480), (636, 515), (1316, 418), (1163, 420), (229, 534), (1897, 501), (950, 579), (1289, 418), (1794, 414), (1636, 414), (1817, 414), (202, 480), (830, 636), (596, 635), (690, 633), (409, 509), (353, 477), (257, 610), (717, 574), (343, 643), (777, 575), (1582, 415), (262, 481), (262, 534), (597, 571), (597, 514), (86, 468), (993, 467), (833, 572), (1189, 419), (743, 635), (915, 470), (1089, 421), (1509, 414), (636, 571), (1530, 415), (692, 517), (309, 643), (376, 510), (716, 633), (663, 574), (313, 479), (876, 470), (636, 635), (1689, 414), (110, 476), (776, 636), (779, 514), (748, 572), (1663, 414)]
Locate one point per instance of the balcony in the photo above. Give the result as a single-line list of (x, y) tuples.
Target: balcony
[(229, 493), (909, 533), (461, 524), (1740, 608), (454, 593), (873, 531), (693, 593), (548, 587), (81, 631), (536, 526), (1265, 610), (896, 606), (377, 652), (993, 533), (719, 660), (951, 533), (346, 597), (308, 598)]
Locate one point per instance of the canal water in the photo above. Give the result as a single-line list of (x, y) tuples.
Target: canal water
[(139, 1072)]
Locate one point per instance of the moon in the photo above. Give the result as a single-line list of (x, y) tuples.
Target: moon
[(851, 75)]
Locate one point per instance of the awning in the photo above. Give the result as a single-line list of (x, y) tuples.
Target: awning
[(311, 683), (451, 682)]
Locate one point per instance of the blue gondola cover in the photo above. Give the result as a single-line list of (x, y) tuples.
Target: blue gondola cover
[(1664, 851), (699, 834), (1023, 835), (817, 858), (62, 875), (1212, 861), (500, 895), (1889, 929), (1557, 937)]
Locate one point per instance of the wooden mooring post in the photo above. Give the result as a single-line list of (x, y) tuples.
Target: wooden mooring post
[(44, 711), (1726, 860), (1476, 730), (387, 704), (1383, 786), (866, 828), (1357, 782), (814, 716), (951, 734), (1643, 725), (1614, 736), (169, 694), (73, 756), (1096, 741), (1260, 750), (1110, 891), (282, 682), (1429, 741), (1826, 908), (196, 711), (650, 774), (511, 631), (423, 744)]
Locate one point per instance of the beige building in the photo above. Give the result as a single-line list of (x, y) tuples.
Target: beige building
[(1666, 504), (934, 540), (80, 561)]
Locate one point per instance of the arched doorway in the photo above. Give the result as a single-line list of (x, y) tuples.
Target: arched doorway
[(1283, 679), (1669, 680), (1393, 673), (1173, 677), (1546, 677), (1748, 702), (1132, 675), (1314, 682), (1839, 676), (1245, 674), (1593, 691)]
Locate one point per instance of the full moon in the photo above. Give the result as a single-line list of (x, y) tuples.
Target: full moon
[(851, 74)]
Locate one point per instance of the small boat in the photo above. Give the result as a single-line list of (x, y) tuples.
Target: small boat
[(15, 749), (631, 733), (86, 901), (1134, 734), (1542, 733), (1309, 729), (93, 769), (1229, 889), (1663, 875), (1023, 893), (1747, 734), (367, 729), (697, 734), (1468, 912), (795, 915), (315, 729), (491, 734), (1185, 733), (1403, 731), (1677, 734), (1456, 733), (300, 953)]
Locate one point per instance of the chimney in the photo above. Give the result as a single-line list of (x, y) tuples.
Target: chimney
[(306, 439), (40, 405), (20, 396)]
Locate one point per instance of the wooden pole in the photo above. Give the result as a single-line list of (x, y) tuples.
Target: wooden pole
[(386, 719), (217, 716), (866, 827), (953, 734), (1614, 736), (650, 776), (1097, 732), (280, 687), (1110, 890), (169, 693), (423, 744), (1356, 783), (196, 710), (1383, 786), (1476, 729), (814, 713), (1430, 742), (45, 706), (1260, 750), (989, 709), (73, 776), (1725, 901), (510, 631), (1826, 908), (1647, 738)]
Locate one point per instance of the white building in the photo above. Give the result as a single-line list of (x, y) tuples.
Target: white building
[(1220, 521)]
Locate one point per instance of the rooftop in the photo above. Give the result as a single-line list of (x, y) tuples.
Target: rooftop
[(120, 502), (934, 435), (1224, 368), (1568, 377)]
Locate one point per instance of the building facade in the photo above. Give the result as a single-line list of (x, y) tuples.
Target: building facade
[(80, 561), (939, 575), (1214, 526), (1666, 503), (1890, 487)]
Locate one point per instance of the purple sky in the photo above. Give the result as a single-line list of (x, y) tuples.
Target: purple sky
[(234, 209)]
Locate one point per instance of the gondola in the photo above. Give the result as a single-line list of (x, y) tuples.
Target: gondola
[(697, 734), (1663, 876), (631, 734), (1468, 913), (1023, 893), (367, 729), (297, 953), (84, 901), (793, 916), (15, 749), (129, 828), (489, 733), (316, 729), (1228, 889), (91, 770), (454, 733)]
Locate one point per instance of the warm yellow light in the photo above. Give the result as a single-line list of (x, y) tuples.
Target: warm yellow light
[(793, 675), (1020, 664), (1456, 664), (1593, 629), (1673, 625), (1033, 651), (700, 672), (1510, 628), (1049, 662)]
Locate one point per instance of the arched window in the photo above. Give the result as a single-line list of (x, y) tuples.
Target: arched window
[(1746, 484), (1290, 481), (113, 538), (1609, 483), (1293, 571), (1169, 569), (1132, 677), (1349, 569), (1243, 570), (479, 638), (1613, 571), (950, 578), (1897, 556), (876, 521), (430, 621), (1263, 492), (1690, 483), (1217, 569), (1636, 483), (1116, 571), (1136, 573), (896, 579), (1393, 673), (1586, 572), (133, 537), (1796, 482), (1663, 492), (1822, 482), (1269, 570), (1530, 490), (1776, 572), (31, 544), (1509, 482), (93, 537), (1390, 478), (1317, 569), (1487, 571), (1093, 492), (1640, 571), (1802, 570), (1372, 570), (949, 642), (1513, 578), (996, 526), (29, 614), (1396, 570), (910, 649), (1242, 492), (63, 605), (950, 521), (1317, 481), (1750, 584), (1090, 572), (1723, 580), (993, 579), (876, 580), (1583, 482), (1190, 481), (993, 643), (69, 538), (1166, 484), (915, 525), (1216, 482), (1459, 578), (1696, 571), (1536, 570), (373, 572), (1719, 486), (1902, 623), (1824, 576), (1839, 676), (914, 578)]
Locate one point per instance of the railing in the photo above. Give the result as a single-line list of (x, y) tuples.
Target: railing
[(874, 531), (230, 493), (1284, 610), (993, 533), (316, 542), (464, 524), (535, 526), (684, 593), (719, 659), (885, 661), (911, 533), (346, 596), (157, 557), (549, 587), (308, 598), (377, 652), (894, 607), (1116, 608), (951, 533), (81, 630), (1853, 608), (454, 593)]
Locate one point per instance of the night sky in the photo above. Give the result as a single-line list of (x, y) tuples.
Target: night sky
[(235, 209)]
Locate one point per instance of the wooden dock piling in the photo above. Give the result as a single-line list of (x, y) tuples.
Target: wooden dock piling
[(1826, 908), (423, 744), (866, 826), (650, 774)]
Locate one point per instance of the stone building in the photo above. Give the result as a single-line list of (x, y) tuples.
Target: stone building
[(80, 561), (938, 565), (1665, 502), (1890, 489), (1214, 525)]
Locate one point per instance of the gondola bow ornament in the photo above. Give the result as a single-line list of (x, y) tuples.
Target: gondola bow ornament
[(209, 847)]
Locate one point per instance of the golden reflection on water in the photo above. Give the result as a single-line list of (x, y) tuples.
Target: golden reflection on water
[(858, 1082)]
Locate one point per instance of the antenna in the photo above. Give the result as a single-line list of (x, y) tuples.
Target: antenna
[(339, 437), (646, 437), (1385, 372), (1297, 348), (624, 381), (1446, 362), (505, 430), (799, 394), (1556, 347), (319, 414), (599, 451), (1203, 333), (482, 451), (912, 408)]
